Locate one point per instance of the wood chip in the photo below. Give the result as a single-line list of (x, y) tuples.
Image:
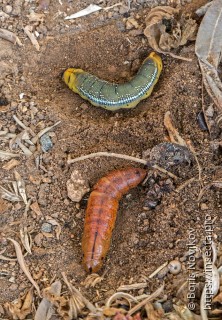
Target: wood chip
[(11, 164), (28, 32), (10, 36), (4, 206), (4, 155), (35, 207), (90, 9)]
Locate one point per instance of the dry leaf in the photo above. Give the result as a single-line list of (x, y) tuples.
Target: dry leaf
[(8, 195), (61, 303), (21, 186), (45, 309), (76, 303), (23, 265), (92, 279), (79, 297), (20, 308), (168, 28), (75, 306), (26, 239), (208, 49)]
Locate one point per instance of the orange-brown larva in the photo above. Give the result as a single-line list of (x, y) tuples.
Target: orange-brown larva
[(101, 214)]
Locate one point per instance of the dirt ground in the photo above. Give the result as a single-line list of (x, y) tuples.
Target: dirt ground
[(101, 44)]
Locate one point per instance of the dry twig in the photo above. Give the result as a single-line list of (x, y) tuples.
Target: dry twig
[(144, 302), (120, 156), (23, 265)]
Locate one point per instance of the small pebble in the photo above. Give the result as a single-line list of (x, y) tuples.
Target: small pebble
[(12, 279), (167, 306), (210, 111), (203, 206), (77, 186), (46, 142), (8, 9), (38, 239), (174, 267), (46, 227), (66, 202), (151, 204)]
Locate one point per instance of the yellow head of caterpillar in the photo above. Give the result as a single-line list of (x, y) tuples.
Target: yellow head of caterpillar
[(158, 61), (69, 77)]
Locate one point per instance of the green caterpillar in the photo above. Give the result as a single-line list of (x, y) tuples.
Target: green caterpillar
[(113, 96)]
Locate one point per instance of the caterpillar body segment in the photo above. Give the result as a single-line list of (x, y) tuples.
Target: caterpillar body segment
[(114, 96), (101, 214)]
